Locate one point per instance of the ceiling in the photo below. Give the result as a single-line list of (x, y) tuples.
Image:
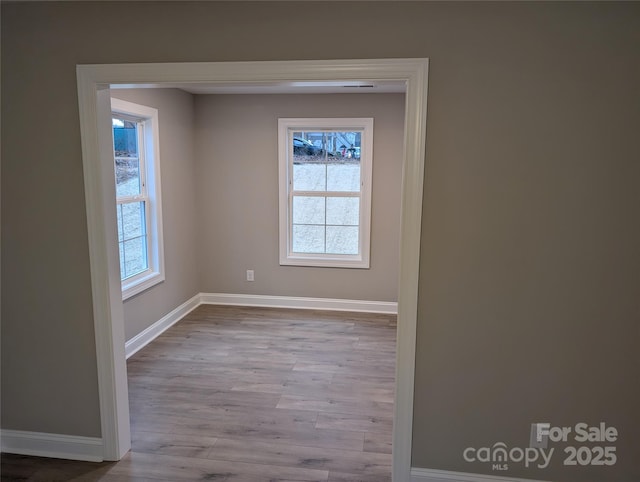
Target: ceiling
[(306, 87)]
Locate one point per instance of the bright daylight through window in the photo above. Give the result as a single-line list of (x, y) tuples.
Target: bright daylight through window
[(137, 173), (325, 191)]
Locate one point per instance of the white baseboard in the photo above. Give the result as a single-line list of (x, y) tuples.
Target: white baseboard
[(300, 303), (145, 337), (431, 475), (52, 445)]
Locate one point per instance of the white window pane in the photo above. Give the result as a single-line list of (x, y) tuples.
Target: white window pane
[(132, 238), (308, 210), (119, 222), (125, 138), (308, 146), (342, 240), (133, 220), (121, 248), (343, 211), (127, 158), (309, 177), (127, 177), (135, 256), (344, 176), (307, 239), (348, 144), (333, 143)]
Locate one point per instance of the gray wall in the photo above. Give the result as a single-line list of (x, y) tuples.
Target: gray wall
[(233, 225), (529, 306), (237, 149), (177, 171)]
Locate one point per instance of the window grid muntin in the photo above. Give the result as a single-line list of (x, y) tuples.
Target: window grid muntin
[(327, 196), (295, 132)]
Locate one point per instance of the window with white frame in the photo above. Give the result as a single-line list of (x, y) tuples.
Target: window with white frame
[(138, 205), (325, 191)]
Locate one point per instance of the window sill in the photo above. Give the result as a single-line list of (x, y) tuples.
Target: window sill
[(140, 283), (315, 261)]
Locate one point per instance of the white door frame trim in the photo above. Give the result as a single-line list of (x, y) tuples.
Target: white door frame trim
[(93, 96)]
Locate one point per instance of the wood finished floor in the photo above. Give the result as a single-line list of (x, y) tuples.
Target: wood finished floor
[(253, 395)]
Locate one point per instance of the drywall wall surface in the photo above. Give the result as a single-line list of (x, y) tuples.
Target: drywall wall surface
[(237, 150), (529, 307), (176, 128)]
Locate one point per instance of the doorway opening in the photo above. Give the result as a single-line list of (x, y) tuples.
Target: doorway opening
[(94, 83)]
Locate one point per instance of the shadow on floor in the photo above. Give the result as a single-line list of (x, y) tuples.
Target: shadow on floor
[(40, 469)]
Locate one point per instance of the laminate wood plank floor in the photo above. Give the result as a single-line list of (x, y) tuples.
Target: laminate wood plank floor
[(242, 394)]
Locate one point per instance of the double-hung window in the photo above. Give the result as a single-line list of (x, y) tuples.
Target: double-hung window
[(325, 191), (138, 205)]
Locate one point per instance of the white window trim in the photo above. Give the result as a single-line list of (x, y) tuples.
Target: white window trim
[(285, 153), (154, 274)]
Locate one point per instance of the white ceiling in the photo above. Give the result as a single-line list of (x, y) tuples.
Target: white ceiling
[(337, 87)]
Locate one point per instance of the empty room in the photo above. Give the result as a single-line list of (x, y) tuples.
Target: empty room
[(303, 394), (425, 270)]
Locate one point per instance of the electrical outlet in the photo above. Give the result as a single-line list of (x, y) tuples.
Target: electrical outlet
[(250, 275)]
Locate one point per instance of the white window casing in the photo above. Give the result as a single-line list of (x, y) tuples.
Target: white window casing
[(287, 191), (150, 194)]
